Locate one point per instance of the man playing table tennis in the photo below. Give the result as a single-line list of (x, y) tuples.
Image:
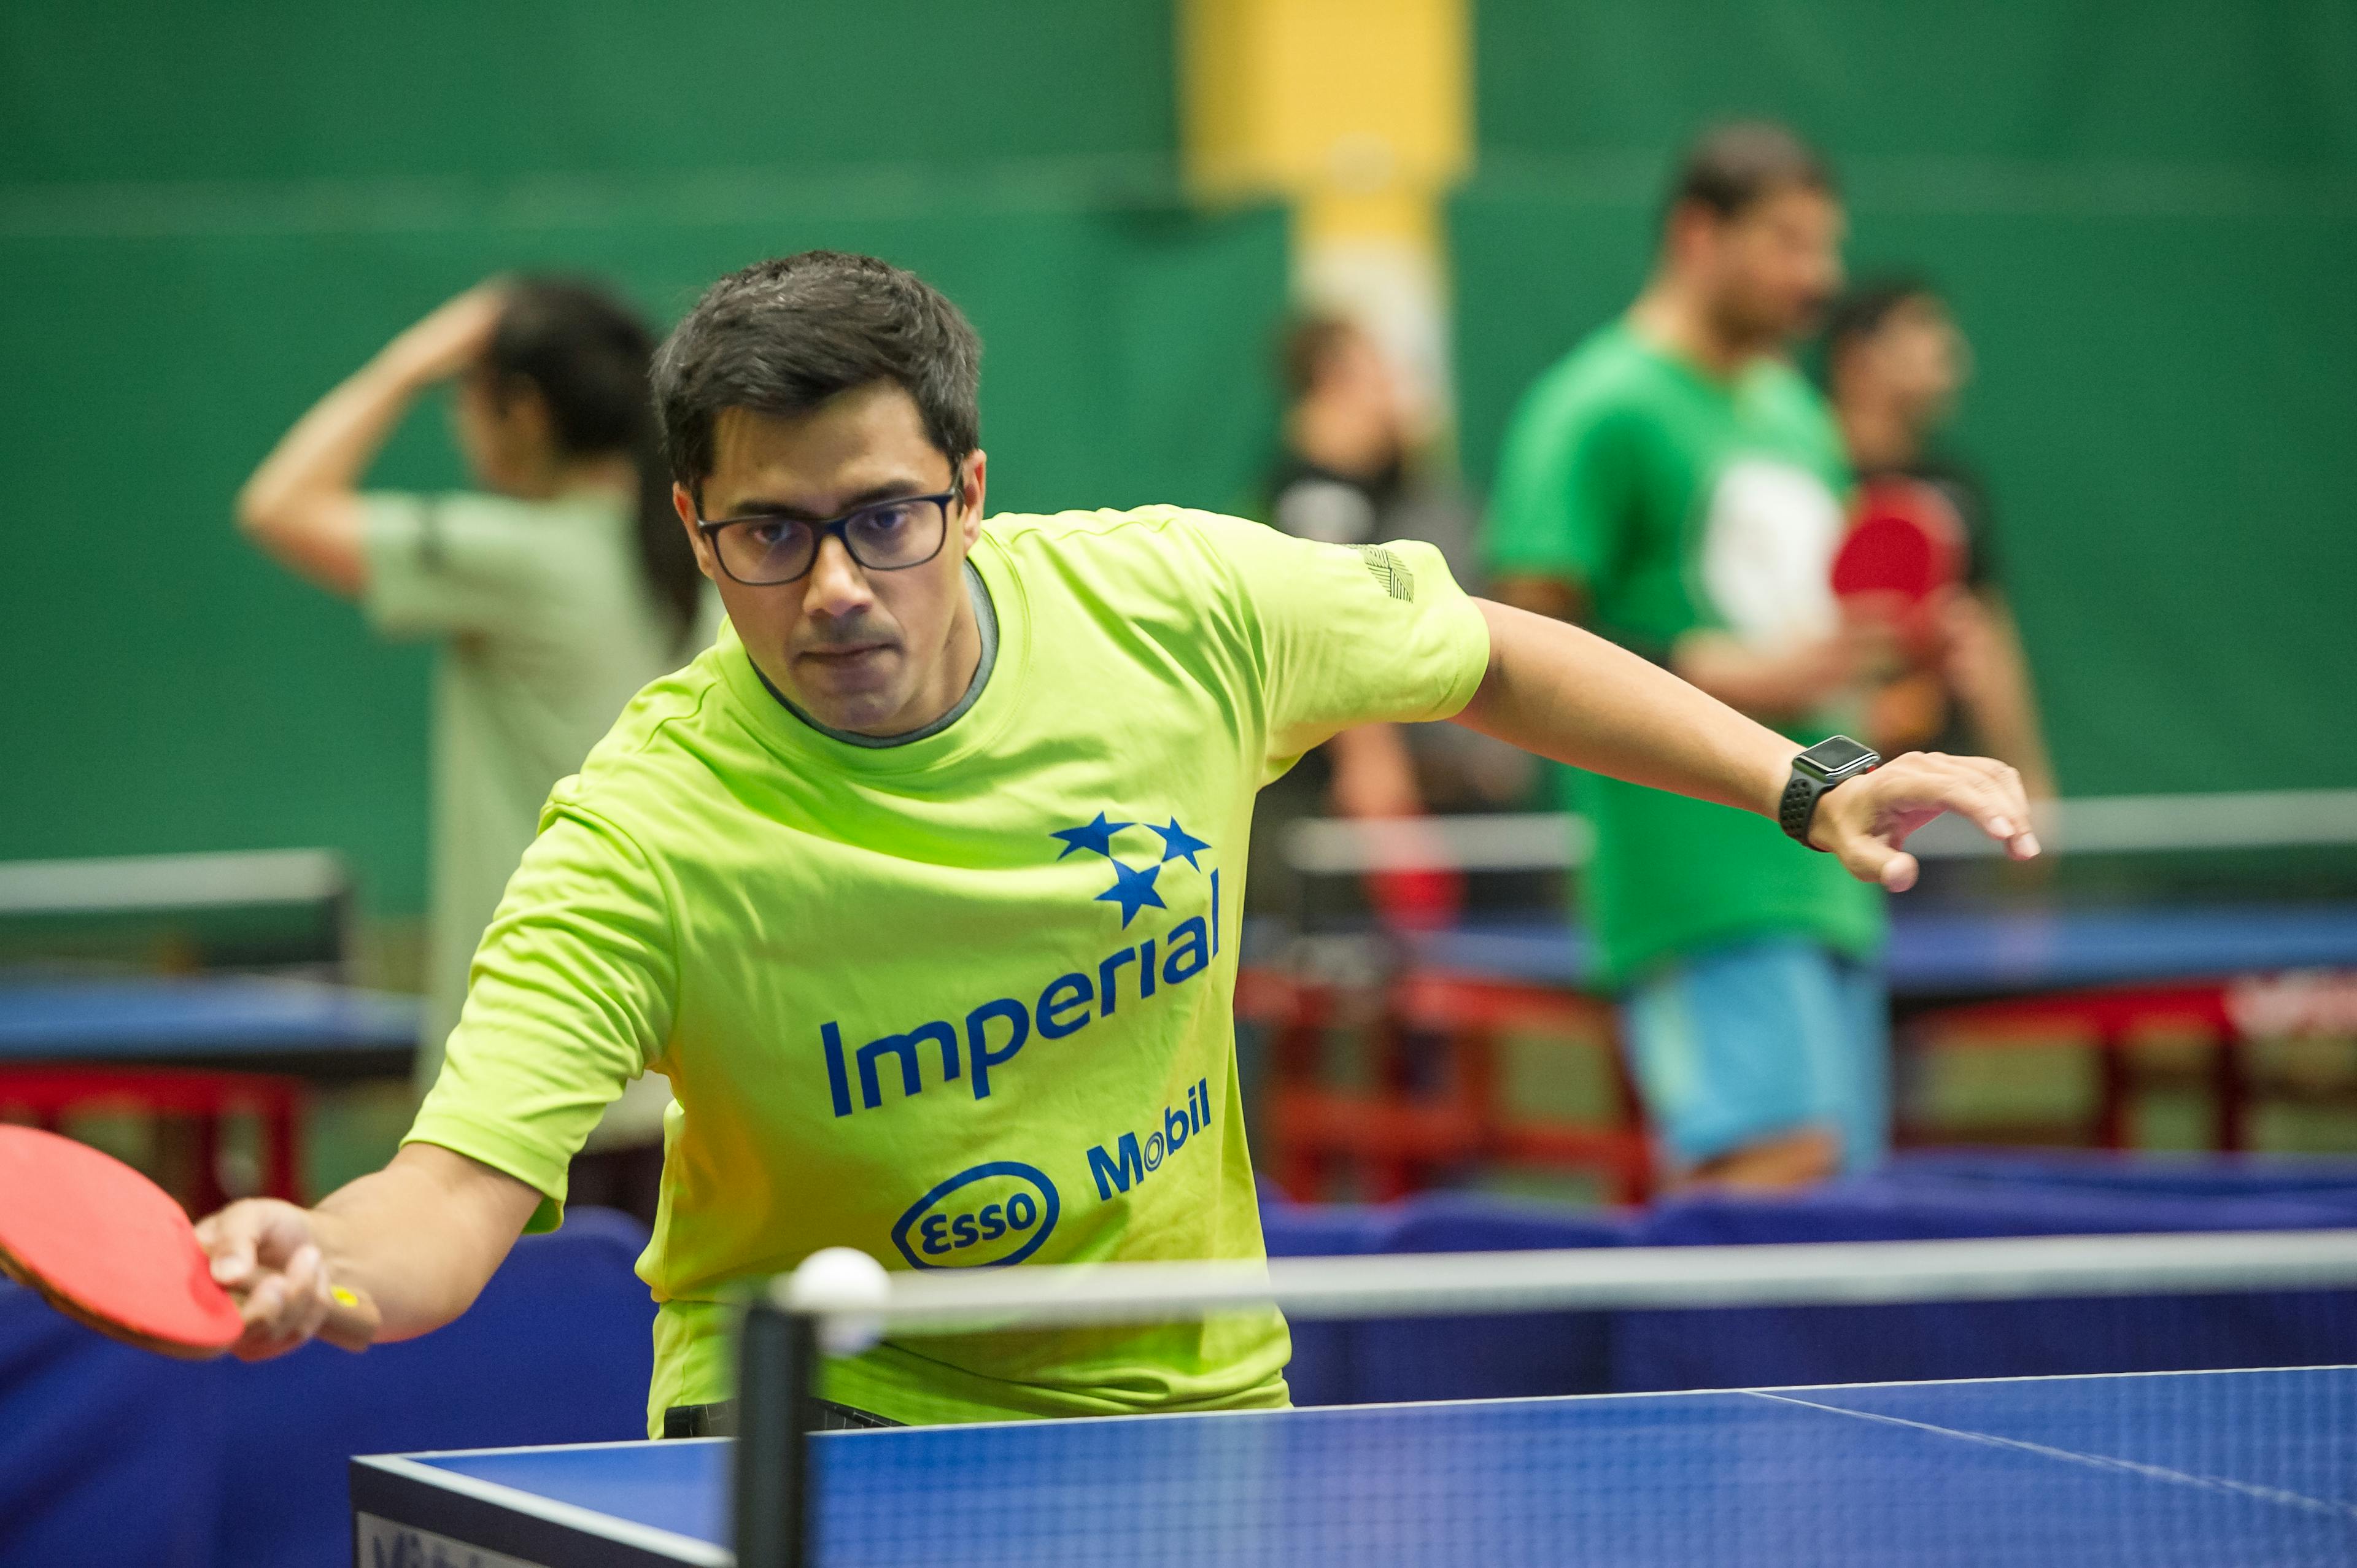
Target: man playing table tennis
[(920, 886)]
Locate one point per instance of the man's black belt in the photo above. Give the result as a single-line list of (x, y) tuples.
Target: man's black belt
[(719, 1419)]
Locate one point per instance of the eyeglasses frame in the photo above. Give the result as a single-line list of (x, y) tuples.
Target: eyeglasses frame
[(839, 528)]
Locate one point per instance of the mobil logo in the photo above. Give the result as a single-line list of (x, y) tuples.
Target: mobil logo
[(992, 1214)]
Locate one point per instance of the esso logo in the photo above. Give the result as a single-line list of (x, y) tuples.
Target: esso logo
[(993, 1214)]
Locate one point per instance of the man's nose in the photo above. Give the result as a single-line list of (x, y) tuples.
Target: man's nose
[(837, 587)]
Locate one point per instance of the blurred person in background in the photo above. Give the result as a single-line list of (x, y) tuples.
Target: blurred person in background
[(1677, 485), (1895, 362), (1356, 467), (557, 587)]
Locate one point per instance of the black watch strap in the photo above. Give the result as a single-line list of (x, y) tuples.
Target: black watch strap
[(1798, 809), (1828, 765)]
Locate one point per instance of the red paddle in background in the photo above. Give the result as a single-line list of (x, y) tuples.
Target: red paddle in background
[(110, 1248), (1426, 900), (1904, 551)]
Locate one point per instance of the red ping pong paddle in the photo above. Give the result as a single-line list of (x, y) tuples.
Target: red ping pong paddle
[(1904, 550), (110, 1248)]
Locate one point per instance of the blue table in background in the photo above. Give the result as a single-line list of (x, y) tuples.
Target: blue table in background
[(1943, 953), (1983, 977), (238, 1021), (200, 1046), (2250, 1468)]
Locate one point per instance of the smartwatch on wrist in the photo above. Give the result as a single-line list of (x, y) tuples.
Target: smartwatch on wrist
[(1834, 760)]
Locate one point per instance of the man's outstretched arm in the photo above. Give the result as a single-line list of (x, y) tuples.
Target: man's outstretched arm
[(422, 1236), (1569, 695)]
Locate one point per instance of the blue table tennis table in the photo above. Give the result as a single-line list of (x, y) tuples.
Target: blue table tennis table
[(230, 1021), (1943, 954), (200, 1046), (1978, 976), (2248, 1468)]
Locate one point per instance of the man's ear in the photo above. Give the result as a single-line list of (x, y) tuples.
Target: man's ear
[(684, 504), (1687, 238), (976, 462)]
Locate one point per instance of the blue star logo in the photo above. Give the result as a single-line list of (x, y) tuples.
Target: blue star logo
[(1133, 890), (1097, 836), (1178, 843)]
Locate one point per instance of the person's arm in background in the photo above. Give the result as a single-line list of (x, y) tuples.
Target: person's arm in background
[(1990, 676), (1786, 684), (1565, 491), (1568, 497), (1567, 694), (1374, 776), (1781, 684), (1557, 599), (303, 504)]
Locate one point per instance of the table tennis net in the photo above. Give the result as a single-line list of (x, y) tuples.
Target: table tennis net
[(2034, 1461)]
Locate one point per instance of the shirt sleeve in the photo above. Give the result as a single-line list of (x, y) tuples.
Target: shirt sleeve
[(1565, 491), (445, 564), (1348, 635), (570, 998)]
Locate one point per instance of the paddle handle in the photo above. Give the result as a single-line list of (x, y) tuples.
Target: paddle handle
[(352, 1319)]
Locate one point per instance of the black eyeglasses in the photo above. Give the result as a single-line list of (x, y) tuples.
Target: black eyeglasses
[(883, 536)]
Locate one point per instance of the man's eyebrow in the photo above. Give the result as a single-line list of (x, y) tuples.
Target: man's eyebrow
[(763, 506)]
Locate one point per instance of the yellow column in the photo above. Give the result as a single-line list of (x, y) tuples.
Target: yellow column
[(1359, 112)]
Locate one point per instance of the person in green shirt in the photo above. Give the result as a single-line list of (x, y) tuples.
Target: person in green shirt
[(557, 586), (920, 886), (1676, 484)]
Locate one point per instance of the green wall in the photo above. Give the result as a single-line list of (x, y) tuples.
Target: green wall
[(2146, 215), (209, 213), (272, 194)]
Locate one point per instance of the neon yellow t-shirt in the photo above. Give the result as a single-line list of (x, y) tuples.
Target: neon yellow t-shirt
[(962, 1002)]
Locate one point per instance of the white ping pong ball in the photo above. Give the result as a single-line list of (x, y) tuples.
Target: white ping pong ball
[(850, 1288)]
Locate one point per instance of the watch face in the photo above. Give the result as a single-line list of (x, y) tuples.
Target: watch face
[(1838, 755)]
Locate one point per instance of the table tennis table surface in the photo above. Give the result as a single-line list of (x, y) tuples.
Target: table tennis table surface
[(254, 1023), (259, 1022), (1947, 952), (2246, 1467)]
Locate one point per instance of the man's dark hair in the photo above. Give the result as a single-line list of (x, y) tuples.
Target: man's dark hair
[(784, 335), (1731, 167), (1861, 313), (1305, 343)]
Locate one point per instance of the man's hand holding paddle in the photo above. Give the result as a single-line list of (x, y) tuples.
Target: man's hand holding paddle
[(265, 1252), (109, 1248)]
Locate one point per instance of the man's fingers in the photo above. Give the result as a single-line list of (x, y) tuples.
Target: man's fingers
[(301, 1277), (1988, 793), (262, 1249), (1872, 859), (263, 1304), (252, 1236), (2005, 781), (232, 1247), (286, 1308), (1897, 798)]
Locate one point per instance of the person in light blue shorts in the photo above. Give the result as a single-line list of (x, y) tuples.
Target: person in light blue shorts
[(1677, 487), (1737, 1045)]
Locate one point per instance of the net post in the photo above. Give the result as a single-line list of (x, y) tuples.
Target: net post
[(776, 1367)]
